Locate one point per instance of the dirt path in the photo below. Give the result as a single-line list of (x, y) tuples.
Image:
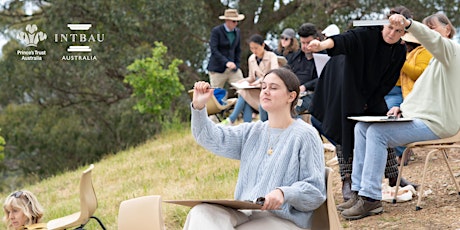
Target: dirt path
[(440, 209)]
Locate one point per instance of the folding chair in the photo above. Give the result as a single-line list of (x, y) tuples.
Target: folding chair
[(326, 217), (441, 145), (88, 205), (213, 107), (141, 213)]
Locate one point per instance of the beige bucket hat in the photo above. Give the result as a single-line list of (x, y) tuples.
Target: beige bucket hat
[(408, 37), (232, 14)]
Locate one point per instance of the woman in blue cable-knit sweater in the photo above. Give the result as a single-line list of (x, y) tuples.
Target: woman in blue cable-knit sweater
[(281, 160)]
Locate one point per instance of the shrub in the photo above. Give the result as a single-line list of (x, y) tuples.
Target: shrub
[(155, 83)]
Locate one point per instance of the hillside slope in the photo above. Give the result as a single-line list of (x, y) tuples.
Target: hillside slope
[(172, 166)]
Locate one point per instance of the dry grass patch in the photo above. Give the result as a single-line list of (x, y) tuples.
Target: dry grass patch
[(171, 165)]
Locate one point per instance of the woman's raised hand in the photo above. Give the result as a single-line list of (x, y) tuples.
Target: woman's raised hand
[(399, 19), (201, 94)]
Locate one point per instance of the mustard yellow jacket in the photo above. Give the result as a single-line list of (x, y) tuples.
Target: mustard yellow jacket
[(416, 62)]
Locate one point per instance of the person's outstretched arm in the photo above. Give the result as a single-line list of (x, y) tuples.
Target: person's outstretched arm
[(316, 45)]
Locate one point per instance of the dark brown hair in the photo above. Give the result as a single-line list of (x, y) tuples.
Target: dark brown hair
[(307, 29), (258, 39), (400, 10)]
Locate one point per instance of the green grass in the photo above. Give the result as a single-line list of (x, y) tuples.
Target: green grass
[(171, 165)]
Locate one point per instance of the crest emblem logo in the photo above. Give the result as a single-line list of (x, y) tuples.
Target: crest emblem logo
[(31, 37)]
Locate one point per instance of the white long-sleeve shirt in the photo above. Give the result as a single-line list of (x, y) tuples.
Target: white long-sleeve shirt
[(296, 165), (435, 98)]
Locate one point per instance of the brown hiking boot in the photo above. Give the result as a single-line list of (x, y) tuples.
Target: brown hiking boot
[(363, 208), (349, 203)]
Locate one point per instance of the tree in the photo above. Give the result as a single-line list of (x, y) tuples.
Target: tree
[(91, 93), (155, 84)]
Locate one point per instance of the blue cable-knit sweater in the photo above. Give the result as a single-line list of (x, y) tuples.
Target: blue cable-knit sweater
[(296, 165)]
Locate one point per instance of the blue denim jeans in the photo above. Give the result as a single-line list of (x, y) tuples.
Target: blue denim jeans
[(394, 97), (241, 106), (370, 154)]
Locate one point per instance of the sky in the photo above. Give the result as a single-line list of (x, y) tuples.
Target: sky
[(28, 8)]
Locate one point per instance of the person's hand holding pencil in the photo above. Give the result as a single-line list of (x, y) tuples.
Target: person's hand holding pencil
[(201, 94)]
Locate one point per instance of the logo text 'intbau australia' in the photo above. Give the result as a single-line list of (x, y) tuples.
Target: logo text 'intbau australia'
[(31, 37), (80, 42)]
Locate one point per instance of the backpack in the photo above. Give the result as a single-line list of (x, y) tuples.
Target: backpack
[(221, 95)]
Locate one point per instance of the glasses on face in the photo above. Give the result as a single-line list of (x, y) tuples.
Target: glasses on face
[(285, 38), (235, 21)]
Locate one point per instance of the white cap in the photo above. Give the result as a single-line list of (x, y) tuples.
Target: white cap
[(331, 30)]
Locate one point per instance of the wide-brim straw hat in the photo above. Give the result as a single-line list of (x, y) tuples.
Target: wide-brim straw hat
[(232, 14), (408, 37)]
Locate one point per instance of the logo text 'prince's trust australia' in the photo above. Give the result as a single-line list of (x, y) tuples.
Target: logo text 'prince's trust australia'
[(80, 42), (31, 37)]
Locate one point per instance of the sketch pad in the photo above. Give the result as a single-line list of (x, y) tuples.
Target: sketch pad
[(244, 85), (378, 119), (370, 22), (236, 204)]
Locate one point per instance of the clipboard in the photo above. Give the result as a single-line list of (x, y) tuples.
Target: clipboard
[(379, 119), (235, 204), (371, 22), (244, 85)]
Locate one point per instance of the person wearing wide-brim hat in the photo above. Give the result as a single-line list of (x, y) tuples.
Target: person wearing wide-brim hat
[(224, 63), (232, 14)]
